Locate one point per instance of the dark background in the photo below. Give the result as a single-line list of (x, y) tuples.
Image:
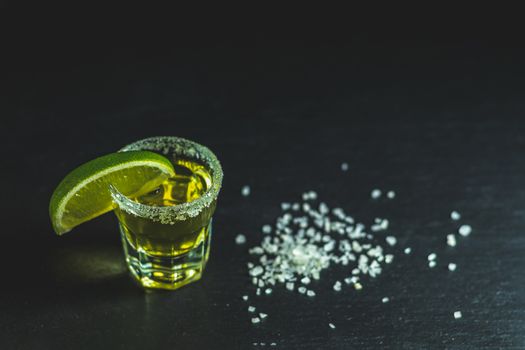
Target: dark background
[(426, 101)]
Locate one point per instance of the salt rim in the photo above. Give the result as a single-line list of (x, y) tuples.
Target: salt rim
[(179, 146)]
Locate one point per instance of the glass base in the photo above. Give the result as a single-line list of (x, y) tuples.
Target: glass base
[(166, 272)]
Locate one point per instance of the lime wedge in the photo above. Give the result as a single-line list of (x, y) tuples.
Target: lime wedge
[(84, 193)]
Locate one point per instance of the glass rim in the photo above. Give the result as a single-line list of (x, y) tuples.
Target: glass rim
[(183, 211)]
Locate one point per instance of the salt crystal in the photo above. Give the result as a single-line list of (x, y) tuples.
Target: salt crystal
[(408, 250), (331, 325), (240, 239), (310, 293), (432, 264), (457, 314), (267, 229), (256, 271), (452, 267), (251, 308), (385, 300), (256, 320), (268, 291), (245, 297), (451, 240), (358, 286), (306, 207), (391, 240), (285, 206), (245, 191), (465, 230), (431, 256), (375, 194), (391, 194), (344, 166), (263, 315), (337, 286), (454, 215)]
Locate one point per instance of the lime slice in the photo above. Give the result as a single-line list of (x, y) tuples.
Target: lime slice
[(84, 193)]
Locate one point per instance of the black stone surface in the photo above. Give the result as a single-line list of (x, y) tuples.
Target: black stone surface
[(439, 122)]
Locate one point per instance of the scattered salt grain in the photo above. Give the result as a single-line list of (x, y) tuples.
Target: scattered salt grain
[(310, 293), (454, 215), (337, 286), (389, 258), (268, 291), (385, 300), (391, 240), (431, 256), (344, 166), (267, 229), (289, 285), (245, 191), (251, 308), (256, 320), (391, 194), (263, 315), (432, 264), (256, 271), (457, 314), (245, 297), (273, 344), (408, 250), (358, 286), (452, 267), (375, 194), (451, 240), (301, 289), (465, 230), (331, 325), (380, 225), (240, 239), (285, 206)]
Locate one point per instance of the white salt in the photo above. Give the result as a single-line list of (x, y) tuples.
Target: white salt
[(240, 239), (451, 240), (465, 230), (375, 194), (245, 191)]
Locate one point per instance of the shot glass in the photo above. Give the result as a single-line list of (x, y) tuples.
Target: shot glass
[(166, 234)]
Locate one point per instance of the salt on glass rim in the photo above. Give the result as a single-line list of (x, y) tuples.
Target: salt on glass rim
[(168, 145)]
